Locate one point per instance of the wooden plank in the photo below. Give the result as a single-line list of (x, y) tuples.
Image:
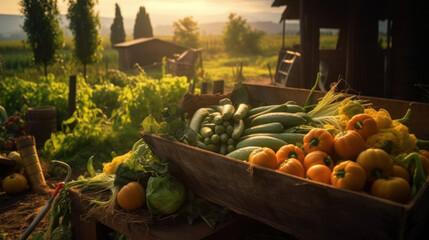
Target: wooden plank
[(282, 201), (7, 161)]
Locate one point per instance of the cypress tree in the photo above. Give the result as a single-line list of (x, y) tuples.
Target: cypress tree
[(41, 25), (117, 32), (142, 26), (84, 24)]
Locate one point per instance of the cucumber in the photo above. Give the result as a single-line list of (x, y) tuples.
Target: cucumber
[(231, 141), (227, 111), (275, 108), (217, 108), (257, 110), (291, 103), (215, 139), (218, 120), (226, 124), (225, 101), (219, 129), (207, 140), (223, 149), (274, 127), (229, 130), (206, 132), (262, 141), (241, 112), (198, 117), (242, 153), (292, 138), (230, 148), (293, 108), (287, 119), (224, 138), (204, 146), (238, 129), (305, 116)]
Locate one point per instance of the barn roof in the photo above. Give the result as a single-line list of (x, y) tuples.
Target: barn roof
[(291, 11), (143, 40)]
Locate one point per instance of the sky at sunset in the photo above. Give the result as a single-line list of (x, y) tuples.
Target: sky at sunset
[(201, 10)]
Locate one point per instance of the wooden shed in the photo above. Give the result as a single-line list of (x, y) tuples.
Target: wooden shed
[(394, 69), (145, 52)]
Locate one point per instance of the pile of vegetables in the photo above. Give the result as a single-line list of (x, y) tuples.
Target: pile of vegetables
[(15, 180), (341, 140), (136, 180)]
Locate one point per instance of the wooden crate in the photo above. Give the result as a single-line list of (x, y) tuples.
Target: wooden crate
[(303, 208)]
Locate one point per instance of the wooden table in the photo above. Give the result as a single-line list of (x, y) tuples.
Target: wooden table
[(100, 224)]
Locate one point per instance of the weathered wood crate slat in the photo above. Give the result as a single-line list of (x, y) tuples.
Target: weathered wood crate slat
[(303, 208)]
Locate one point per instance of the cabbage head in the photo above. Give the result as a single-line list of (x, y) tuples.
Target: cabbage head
[(164, 195)]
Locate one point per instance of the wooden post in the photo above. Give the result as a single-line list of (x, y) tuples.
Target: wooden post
[(204, 86), (72, 95), (218, 87)]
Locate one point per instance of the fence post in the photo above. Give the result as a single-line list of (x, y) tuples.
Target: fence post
[(218, 87), (204, 86), (72, 95)]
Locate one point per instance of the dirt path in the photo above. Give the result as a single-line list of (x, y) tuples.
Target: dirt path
[(18, 211)]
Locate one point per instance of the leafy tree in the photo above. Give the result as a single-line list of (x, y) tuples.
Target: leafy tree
[(186, 32), (84, 24), (43, 32), (239, 37), (142, 25), (117, 32)]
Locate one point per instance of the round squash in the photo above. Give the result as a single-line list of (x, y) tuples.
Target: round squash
[(131, 196), (393, 188), (376, 162), (349, 144), (317, 157), (14, 183), (264, 157), (292, 166)]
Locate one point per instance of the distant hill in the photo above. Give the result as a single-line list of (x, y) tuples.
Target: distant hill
[(10, 27)]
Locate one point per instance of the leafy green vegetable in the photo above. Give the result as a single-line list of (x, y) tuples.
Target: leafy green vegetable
[(164, 195)]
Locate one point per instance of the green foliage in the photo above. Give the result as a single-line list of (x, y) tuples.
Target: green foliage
[(43, 32), (186, 32), (142, 25), (90, 131), (239, 38), (117, 31), (84, 24)]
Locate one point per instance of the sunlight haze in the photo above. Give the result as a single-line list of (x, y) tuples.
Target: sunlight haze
[(163, 11)]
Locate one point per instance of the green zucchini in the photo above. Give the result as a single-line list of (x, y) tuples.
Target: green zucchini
[(198, 117), (242, 153), (225, 101), (219, 129), (223, 149), (241, 112), (293, 108), (230, 148), (257, 110), (227, 111), (274, 109), (224, 138), (238, 129), (217, 108), (287, 119), (292, 138), (262, 141), (274, 127)]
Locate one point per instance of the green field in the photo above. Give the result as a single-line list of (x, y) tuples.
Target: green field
[(16, 59)]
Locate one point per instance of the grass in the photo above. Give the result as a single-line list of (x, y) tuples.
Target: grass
[(16, 59)]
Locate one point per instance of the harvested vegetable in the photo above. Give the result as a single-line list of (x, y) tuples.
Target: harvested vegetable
[(399, 171), (319, 173), (349, 144), (131, 196), (318, 139), (392, 188), (292, 166), (348, 175), (264, 157), (14, 183), (164, 195), (363, 124), (376, 162), (289, 151), (317, 157)]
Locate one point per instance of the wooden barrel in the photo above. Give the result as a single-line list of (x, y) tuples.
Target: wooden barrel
[(41, 122)]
